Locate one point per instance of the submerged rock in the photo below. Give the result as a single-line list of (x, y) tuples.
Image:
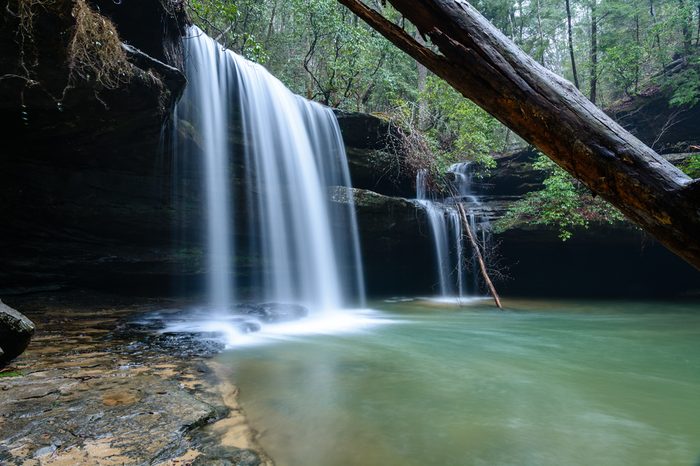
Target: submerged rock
[(276, 312), (16, 331), (224, 456)]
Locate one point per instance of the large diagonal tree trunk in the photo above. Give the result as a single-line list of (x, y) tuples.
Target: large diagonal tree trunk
[(550, 113)]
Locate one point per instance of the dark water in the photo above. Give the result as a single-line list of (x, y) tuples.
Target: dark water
[(542, 384)]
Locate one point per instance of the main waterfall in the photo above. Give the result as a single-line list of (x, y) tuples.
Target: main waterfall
[(269, 159)]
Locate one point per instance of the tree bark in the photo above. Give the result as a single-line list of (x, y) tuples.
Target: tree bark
[(550, 113), (594, 52), (571, 43), (422, 81), (697, 35)]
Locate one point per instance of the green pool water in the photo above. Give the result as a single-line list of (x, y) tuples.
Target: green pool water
[(544, 383)]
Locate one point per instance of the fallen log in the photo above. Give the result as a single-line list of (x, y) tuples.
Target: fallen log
[(479, 256), (550, 113)]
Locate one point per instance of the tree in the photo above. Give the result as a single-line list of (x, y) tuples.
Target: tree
[(571, 43), (550, 113), (564, 203), (594, 53)]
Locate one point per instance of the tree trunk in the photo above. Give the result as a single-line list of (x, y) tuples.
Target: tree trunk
[(522, 22), (697, 36), (550, 113), (638, 41), (422, 81), (479, 256), (571, 44), (657, 36), (686, 27), (594, 52), (270, 25), (540, 33)]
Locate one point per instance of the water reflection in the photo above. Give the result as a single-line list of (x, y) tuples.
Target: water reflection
[(561, 386)]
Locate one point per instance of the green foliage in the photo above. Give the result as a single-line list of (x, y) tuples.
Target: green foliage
[(440, 129), (322, 51), (218, 18), (685, 87), (563, 203), (458, 129), (691, 167), (623, 61), (214, 10)]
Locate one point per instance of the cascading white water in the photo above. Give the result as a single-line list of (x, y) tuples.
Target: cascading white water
[(447, 230), (458, 242), (478, 223), (204, 106), (290, 152)]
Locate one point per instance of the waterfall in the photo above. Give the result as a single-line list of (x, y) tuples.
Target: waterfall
[(205, 107), (447, 231), (284, 152), (478, 221), (447, 238)]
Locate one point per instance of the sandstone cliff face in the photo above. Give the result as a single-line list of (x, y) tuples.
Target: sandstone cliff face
[(661, 126), (397, 251), (81, 182), (91, 196), (375, 163), (601, 261)]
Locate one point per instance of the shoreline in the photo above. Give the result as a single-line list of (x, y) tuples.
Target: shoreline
[(234, 430), (93, 389)]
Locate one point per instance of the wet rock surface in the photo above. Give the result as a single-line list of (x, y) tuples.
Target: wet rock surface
[(225, 457), (395, 240), (375, 155), (178, 332), (276, 312), (89, 392), (16, 331)]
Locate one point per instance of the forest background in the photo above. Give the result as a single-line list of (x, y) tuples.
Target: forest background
[(612, 50)]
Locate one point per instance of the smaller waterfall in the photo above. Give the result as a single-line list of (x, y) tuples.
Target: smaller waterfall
[(478, 218), (448, 234)]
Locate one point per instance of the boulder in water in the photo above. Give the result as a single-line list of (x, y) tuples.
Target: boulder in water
[(277, 312), (16, 331)]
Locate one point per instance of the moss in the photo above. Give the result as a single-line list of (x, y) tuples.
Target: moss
[(95, 52), (691, 166), (8, 374)]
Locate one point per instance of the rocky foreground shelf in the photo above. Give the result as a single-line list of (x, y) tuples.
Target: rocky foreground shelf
[(88, 391)]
